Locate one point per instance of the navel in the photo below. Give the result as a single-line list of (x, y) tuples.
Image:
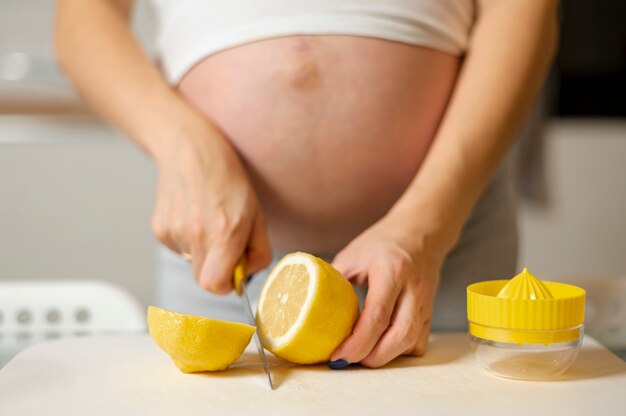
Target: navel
[(304, 71), (305, 74)]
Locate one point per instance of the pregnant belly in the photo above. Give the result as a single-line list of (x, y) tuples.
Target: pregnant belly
[(331, 128)]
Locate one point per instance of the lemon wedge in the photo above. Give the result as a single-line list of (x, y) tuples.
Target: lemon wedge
[(196, 343), (306, 309)]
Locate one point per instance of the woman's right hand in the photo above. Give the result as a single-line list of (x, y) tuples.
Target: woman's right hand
[(205, 205), (207, 208)]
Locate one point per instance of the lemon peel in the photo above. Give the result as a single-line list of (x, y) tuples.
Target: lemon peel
[(196, 343)]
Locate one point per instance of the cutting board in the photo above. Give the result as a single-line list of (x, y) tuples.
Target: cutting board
[(129, 375)]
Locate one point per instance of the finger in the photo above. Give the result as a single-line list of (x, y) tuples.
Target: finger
[(379, 305), (399, 337), (342, 263), (178, 232), (170, 243), (198, 256), (190, 237), (217, 270), (259, 251), (346, 265), (161, 232), (182, 244), (422, 342)]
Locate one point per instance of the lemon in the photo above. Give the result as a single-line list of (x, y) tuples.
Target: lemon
[(196, 343), (306, 309)]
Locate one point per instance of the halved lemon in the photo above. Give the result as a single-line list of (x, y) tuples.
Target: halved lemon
[(306, 309), (195, 343)]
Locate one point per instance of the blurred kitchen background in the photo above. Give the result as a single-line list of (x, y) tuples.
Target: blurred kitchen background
[(76, 197)]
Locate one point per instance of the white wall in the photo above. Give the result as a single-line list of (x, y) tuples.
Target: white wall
[(75, 203), (583, 231)]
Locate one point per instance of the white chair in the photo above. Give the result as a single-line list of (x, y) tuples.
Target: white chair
[(32, 311)]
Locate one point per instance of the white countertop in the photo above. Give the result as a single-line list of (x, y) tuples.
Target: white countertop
[(129, 375)]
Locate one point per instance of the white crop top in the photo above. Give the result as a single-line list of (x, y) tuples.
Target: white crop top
[(190, 30)]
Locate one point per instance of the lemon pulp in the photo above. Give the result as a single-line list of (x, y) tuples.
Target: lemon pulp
[(289, 291)]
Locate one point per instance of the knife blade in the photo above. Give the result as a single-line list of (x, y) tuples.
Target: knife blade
[(240, 282)]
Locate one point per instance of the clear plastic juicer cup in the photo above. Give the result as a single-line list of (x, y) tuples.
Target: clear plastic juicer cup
[(524, 328)]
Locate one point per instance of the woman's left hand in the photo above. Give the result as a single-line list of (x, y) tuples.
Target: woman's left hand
[(401, 267)]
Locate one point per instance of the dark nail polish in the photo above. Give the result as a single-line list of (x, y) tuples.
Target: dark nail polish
[(338, 364)]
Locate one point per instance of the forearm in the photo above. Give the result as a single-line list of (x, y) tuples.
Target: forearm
[(507, 59), (98, 51)]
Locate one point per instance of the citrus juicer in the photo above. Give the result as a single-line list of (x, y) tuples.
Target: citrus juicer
[(524, 328)]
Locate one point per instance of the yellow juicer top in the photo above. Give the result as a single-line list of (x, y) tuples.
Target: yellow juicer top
[(525, 310)]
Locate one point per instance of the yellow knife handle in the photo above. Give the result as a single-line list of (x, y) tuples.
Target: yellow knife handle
[(239, 274)]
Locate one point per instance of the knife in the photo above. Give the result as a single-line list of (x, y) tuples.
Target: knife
[(240, 282)]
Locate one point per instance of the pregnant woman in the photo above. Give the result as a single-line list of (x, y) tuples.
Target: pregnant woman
[(367, 132)]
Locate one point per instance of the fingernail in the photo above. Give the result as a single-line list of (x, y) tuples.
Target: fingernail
[(338, 364)]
